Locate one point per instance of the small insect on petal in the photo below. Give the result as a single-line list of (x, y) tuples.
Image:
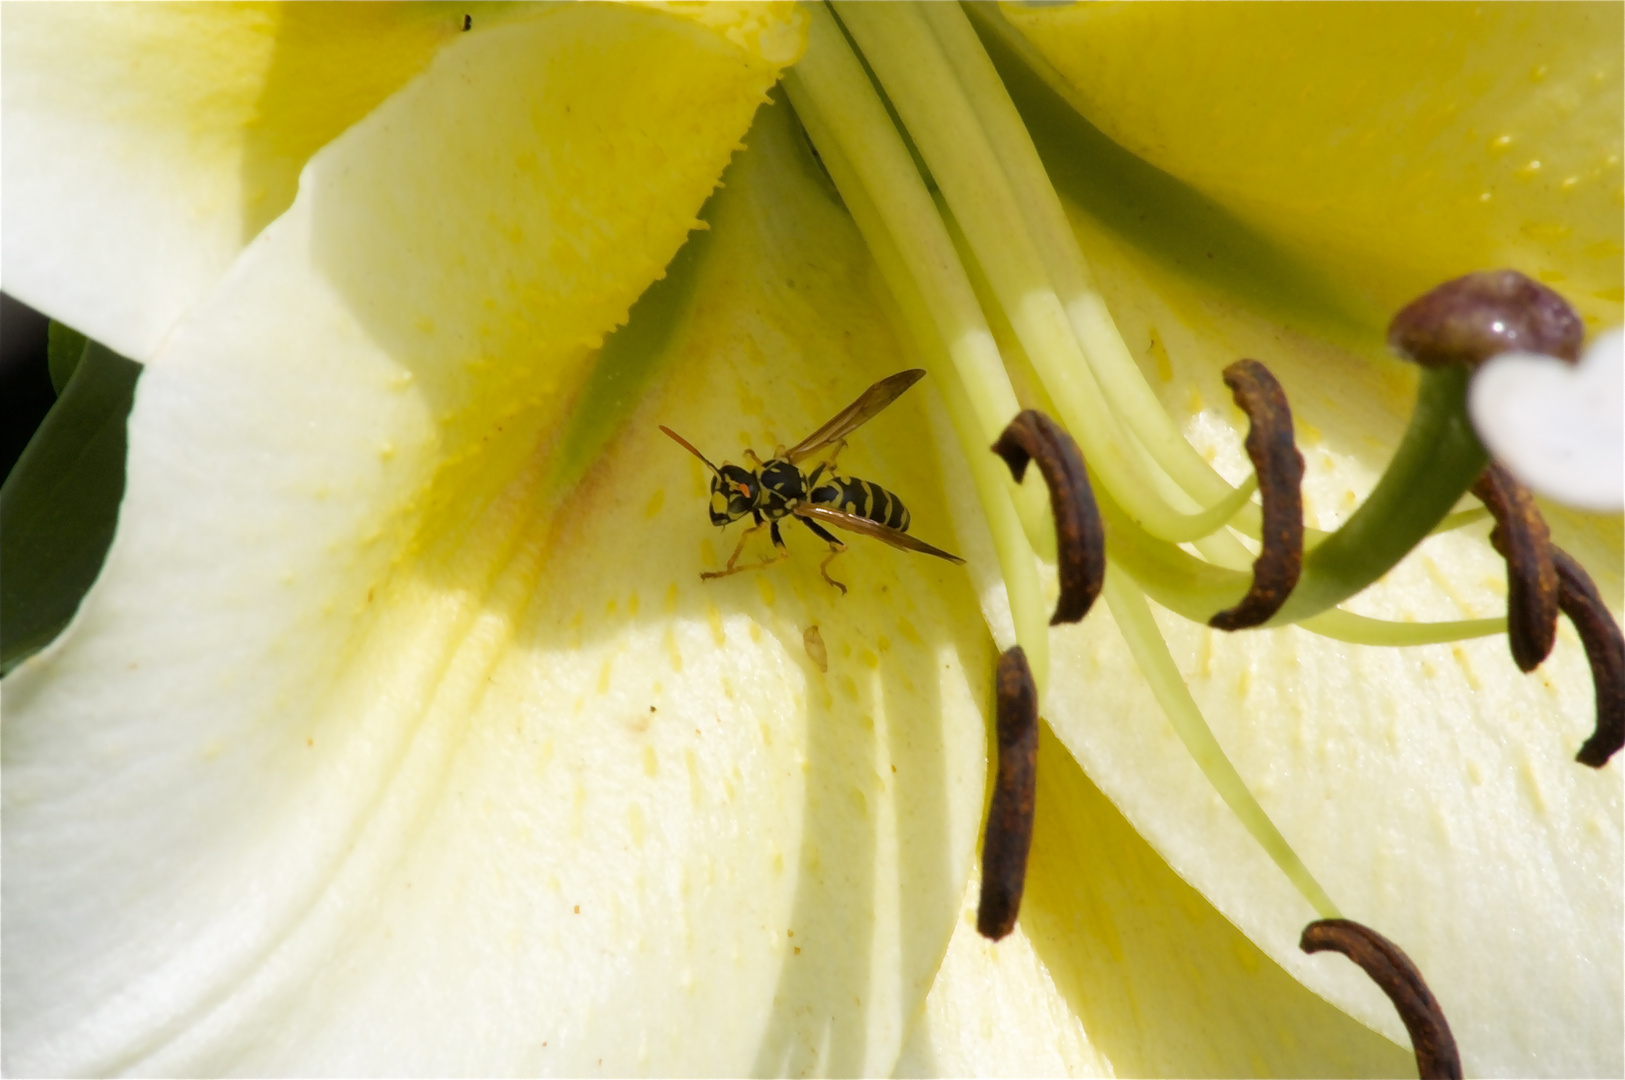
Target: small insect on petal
[(1279, 467), (1520, 535), (1393, 972), (1009, 833), (1080, 540)]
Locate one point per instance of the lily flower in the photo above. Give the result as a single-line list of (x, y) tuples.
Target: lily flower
[(399, 732)]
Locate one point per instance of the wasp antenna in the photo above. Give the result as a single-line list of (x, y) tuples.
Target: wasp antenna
[(686, 445)]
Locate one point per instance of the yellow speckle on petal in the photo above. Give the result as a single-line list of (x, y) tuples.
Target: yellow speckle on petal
[(634, 824)]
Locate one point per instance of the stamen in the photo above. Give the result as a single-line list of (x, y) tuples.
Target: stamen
[(1080, 541), (1520, 535), (1279, 467), (1605, 648), (1448, 331), (1150, 651), (1472, 318), (1009, 832), (1393, 972)]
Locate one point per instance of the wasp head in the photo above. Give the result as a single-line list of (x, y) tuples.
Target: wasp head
[(734, 494)]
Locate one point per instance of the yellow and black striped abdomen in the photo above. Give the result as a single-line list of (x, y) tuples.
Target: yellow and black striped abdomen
[(858, 497)]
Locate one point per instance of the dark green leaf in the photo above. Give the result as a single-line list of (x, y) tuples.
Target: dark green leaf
[(60, 504), (65, 349)]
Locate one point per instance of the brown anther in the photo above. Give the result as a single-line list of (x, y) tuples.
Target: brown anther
[(1470, 319), (1397, 977), (1521, 537), (1605, 649), (1009, 832), (1279, 467), (1080, 541)]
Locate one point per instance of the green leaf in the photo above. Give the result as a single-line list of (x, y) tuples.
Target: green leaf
[(60, 504), (65, 349)]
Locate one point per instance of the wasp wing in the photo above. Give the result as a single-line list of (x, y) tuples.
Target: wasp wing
[(853, 523), (855, 415)]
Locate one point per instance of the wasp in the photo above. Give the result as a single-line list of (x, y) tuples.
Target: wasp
[(777, 488)]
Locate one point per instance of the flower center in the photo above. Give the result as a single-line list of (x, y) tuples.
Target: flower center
[(982, 235)]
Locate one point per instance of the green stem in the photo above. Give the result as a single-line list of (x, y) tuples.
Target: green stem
[(1119, 376), (1436, 463), (905, 57), (1150, 651), (1175, 526), (994, 489), (1340, 625)]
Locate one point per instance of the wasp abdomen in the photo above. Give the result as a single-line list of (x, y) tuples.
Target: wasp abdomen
[(862, 498)]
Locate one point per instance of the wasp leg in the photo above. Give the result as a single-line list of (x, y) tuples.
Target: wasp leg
[(754, 460), (835, 548), (834, 453), (778, 543)]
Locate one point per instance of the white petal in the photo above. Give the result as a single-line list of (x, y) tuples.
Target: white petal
[(147, 144), (370, 752), (1559, 429)]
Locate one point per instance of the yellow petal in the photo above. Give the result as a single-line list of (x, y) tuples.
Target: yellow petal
[(147, 144), (1397, 146), (1119, 968), (995, 1010)]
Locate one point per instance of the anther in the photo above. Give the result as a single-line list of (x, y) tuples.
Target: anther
[(1279, 467), (1397, 977), (1009, 833), (1080, 541), (1470, 319), (1605, 649), (1520, 535)]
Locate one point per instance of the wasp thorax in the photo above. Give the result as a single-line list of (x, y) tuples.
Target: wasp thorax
[(734, 494)]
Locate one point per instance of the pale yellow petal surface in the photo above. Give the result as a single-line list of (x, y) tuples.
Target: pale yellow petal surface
[(1396, 145), (146, 144), (1164, 985), (369, 752), (994, 1010), (1117, 967), (1432, 790)]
